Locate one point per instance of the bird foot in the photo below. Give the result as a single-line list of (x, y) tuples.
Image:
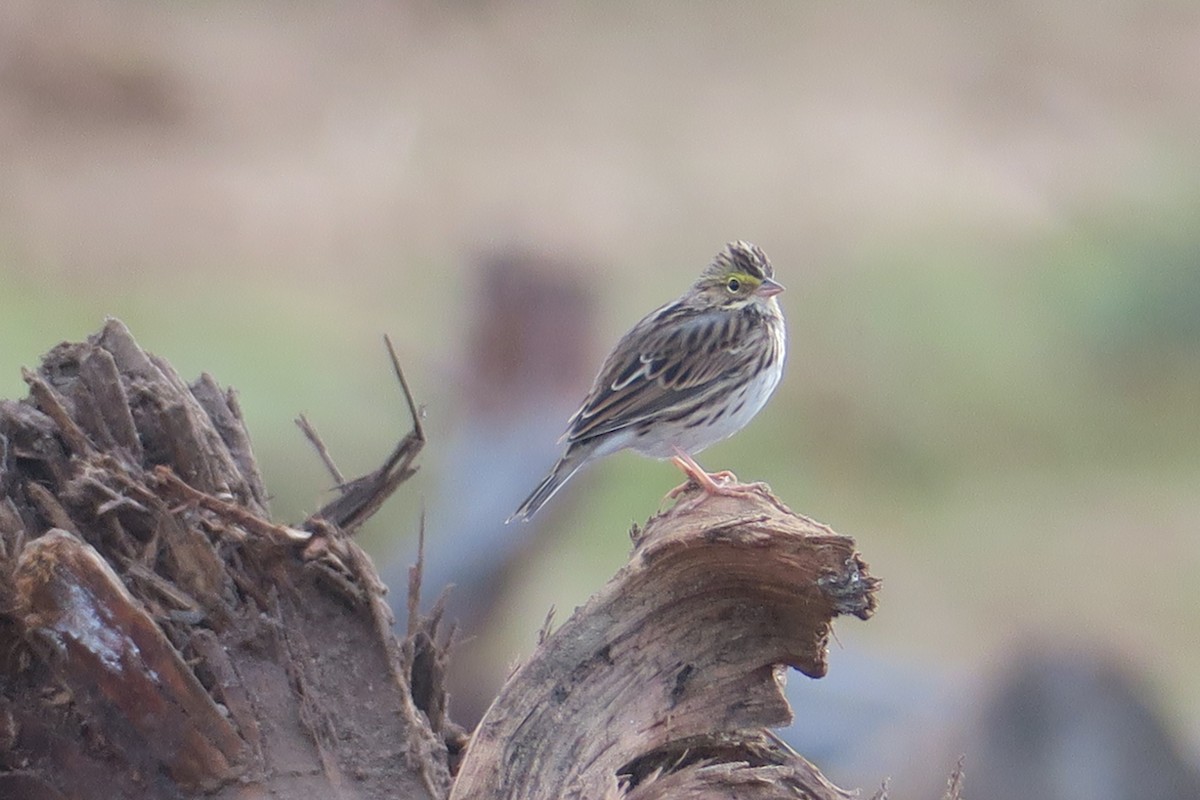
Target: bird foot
[(708, 482), (723, 483)]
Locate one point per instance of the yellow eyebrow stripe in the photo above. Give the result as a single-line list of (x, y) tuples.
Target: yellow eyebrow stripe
[(744, 277)]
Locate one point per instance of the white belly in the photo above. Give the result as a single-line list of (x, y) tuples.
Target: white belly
[(720, 424)]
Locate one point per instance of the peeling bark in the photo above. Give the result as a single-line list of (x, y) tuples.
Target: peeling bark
[(128, 680)]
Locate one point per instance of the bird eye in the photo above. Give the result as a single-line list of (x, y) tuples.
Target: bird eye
[(733, 285)]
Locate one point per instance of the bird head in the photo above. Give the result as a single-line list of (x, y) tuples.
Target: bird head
[(738, 275)]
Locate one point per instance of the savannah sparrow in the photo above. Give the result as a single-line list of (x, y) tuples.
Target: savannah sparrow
[(688, 375)]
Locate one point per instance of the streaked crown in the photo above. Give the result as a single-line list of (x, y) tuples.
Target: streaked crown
[(742, 257)]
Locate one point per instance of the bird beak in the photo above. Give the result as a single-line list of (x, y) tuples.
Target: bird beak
[(769, 288)]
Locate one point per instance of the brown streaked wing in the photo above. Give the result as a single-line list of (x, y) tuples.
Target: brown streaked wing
[(670, 358)]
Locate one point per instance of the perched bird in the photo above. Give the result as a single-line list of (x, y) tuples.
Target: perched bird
[(687, 376)]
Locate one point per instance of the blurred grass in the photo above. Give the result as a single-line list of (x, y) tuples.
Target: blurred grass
[(934, 363)]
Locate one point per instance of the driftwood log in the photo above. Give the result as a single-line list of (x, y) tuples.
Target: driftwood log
[(161, 636)]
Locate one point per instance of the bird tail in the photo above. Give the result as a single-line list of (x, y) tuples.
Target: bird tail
[(567, 466)]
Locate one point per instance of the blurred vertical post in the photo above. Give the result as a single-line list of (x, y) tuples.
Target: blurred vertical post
[(527, 363)]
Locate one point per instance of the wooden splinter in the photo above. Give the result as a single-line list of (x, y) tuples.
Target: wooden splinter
[(115, 661)]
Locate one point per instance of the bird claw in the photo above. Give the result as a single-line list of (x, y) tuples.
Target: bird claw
[(720, 483), (723, 483)]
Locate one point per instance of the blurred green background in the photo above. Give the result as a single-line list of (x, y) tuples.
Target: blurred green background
[(986, 217)]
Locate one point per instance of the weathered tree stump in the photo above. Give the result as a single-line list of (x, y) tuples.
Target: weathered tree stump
[(160, 636), (663, 684)]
